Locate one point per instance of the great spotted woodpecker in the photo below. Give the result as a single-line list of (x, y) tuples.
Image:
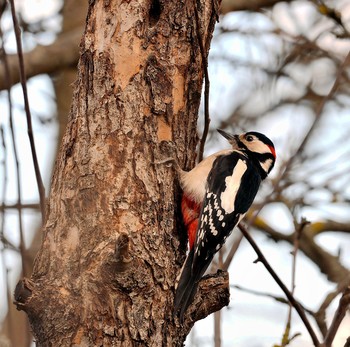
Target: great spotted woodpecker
[(217, 194), (193, 184)]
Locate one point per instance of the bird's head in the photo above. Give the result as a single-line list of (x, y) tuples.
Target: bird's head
[(257, 146)]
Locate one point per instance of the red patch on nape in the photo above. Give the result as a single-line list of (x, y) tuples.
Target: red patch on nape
[(273, 151)]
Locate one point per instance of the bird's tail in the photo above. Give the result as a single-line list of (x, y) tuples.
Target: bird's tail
[(187, 285)]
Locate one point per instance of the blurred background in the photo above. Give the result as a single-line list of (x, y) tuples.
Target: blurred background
[(277, 67)]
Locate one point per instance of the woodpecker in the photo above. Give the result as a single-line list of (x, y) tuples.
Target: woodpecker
[(217, 194), (193, 184)]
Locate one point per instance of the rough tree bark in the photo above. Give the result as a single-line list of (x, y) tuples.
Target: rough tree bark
[(110, 254)]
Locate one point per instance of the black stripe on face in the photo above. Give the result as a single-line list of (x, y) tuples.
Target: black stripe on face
[(241, 145)]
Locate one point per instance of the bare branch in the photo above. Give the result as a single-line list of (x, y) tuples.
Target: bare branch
[(318, 112), (41, 188), (344, 304), (297, 235), (22, 206), (232, 252), (17, 166), (206, 86), (212, 295), (317, 228), (63, 52), (327, 263), (320, 315), (290, 297), (4, 183), (279, 299), (217, 329)]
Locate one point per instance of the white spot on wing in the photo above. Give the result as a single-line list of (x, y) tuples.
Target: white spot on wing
[(228, 196), (216, 205), (212, 227)]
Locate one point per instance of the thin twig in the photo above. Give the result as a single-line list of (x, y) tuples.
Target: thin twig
[(299, 230), (318, 112), (39, 181), (2, 134), (217, 314), (320, 315), (297, 235), (279, 299), (10, 322), (232, 252), (344, 305), (286, 166), (16, 206), (217, 329), (206, 86), (290, 297), (5, 242), (8, 244), (15, 155), (4, 183)]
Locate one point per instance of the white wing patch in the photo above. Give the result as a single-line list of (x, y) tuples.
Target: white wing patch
[(233, 182)]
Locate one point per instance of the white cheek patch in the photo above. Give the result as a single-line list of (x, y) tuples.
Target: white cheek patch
[(266, 165), (258, 147), (233, 182)]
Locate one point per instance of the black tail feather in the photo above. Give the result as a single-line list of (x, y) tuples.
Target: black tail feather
[(188, 283), (187, 299), (185, 283)]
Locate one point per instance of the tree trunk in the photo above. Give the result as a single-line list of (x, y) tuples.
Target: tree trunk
[(106, 271)]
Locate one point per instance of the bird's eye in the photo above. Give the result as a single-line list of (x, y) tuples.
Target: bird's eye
[(249, 138)]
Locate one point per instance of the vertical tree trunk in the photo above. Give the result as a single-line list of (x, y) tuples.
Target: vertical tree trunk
[(106, 270)]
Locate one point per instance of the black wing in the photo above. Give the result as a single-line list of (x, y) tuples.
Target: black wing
[(231, 188)]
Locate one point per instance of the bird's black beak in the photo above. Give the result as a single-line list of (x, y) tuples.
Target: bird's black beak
[(232, 139)]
